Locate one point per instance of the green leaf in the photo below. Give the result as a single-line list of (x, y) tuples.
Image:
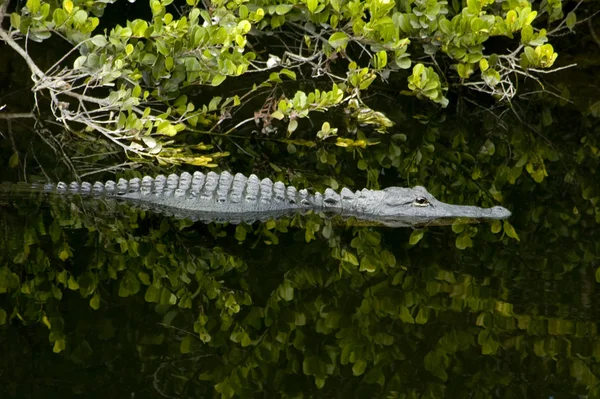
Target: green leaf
[(286, 291), (300, 319), (217, 80), (416, 236), (72, 284), (403, 62), (359, 367), (458, 227), (292, 126), (2, 316), (571, 20), (240, 233), (95, 301), (474, 7), (327, 231), (129, 285), (225, 389), (278, 115), (33, 6), (464, 241), (80, 17), (405, 315), (288, 73), (13, 162), (15, 20), (144, 278), (99, 41), (338, 39), (349, 257), (510, 230), (312, 5), (496, 226), (282, 9), (165, 128), (483, 64), (169, 62), (422, 316), (59, 345), (244, 26), (167, 297), (380, 60), (186, 344), (319, 382)]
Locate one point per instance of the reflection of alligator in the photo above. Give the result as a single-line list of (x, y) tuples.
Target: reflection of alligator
[(227, 198)]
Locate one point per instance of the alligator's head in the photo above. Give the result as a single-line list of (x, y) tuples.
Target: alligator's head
[(416, 207)]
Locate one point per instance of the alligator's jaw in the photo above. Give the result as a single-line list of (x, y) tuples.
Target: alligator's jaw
[(441, 209), (451, 214)]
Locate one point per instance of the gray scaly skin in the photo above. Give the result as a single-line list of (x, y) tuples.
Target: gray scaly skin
[(234, 199)]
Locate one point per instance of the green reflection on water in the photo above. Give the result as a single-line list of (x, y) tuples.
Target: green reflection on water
[(103, 299)]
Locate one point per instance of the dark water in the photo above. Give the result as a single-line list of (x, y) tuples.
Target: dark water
[(101, 299), (98, 299)]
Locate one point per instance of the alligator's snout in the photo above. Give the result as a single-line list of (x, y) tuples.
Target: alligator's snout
[(499, 212)]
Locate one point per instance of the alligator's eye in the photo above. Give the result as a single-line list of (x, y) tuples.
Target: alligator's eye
[(421, 201)]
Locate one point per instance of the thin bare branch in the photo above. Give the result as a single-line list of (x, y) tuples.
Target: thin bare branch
[(17, 115)]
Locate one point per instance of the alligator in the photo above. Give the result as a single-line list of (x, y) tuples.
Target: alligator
[(236, 198)]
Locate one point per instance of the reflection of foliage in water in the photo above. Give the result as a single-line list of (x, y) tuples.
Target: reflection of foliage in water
[(360, 311), (298, 306)]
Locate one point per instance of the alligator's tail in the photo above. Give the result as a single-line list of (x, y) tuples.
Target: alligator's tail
[(96, 189), (222, 188)]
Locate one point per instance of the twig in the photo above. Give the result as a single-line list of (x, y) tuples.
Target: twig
[(552, 70), (593, 32), (16, 115), (133, 165)]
